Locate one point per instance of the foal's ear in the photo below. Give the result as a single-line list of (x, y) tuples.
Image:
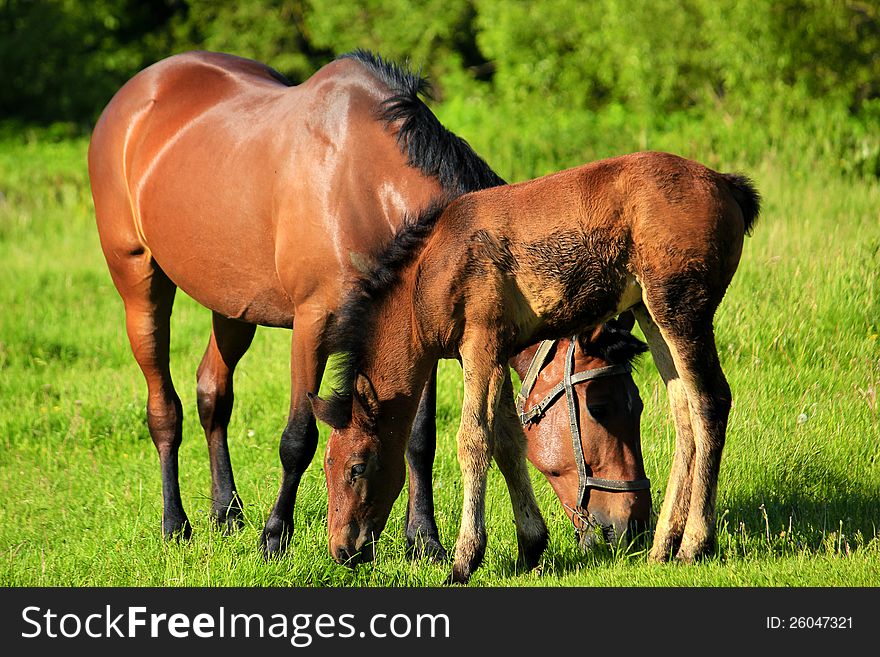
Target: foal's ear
[(365, 396), (333, 412), (626, 320)]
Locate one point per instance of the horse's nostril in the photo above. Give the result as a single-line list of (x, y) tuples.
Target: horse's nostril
[(346, 556)]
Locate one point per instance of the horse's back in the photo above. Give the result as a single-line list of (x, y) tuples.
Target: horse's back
[(238, 184)]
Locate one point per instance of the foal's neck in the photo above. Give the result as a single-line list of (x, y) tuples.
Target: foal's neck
[(397, 361)]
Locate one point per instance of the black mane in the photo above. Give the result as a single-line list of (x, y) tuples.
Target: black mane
[(613, 344), (428, 145)]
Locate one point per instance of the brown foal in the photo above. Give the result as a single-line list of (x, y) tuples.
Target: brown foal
[(498, 269)]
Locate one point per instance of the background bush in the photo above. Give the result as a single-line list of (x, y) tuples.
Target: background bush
[(548, 82)]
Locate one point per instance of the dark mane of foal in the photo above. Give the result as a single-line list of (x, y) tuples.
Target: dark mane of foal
[(355, 319), (429, 146), (613, 344)]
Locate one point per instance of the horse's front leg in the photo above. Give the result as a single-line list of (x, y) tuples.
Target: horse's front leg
[(299, 441), (422, 537), (483, 381)]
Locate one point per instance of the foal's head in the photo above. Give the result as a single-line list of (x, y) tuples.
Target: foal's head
[(364, 473), (608, 413)]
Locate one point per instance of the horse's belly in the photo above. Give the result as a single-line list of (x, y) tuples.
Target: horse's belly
[(225, 260), (228, 284)]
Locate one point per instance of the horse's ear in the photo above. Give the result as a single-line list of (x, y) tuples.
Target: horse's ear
[(626, 320), (334, 412), (365, 396)]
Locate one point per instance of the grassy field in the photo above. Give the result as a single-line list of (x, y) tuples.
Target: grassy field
[(799, 495)]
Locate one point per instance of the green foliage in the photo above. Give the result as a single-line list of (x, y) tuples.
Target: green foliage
[(62, 60), (560, 79), (272, 31)]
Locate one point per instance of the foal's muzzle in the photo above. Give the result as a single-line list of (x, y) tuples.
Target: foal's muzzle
[(360, 549)]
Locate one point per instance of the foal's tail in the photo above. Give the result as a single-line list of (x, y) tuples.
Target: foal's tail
[(746, 196)]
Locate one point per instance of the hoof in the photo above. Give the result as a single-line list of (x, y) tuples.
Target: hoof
[(693, 551), (530, 551), (664, 547), (229, 518), (176, 529), (426, 548), (457, 576), (275, 538), (658, 557)]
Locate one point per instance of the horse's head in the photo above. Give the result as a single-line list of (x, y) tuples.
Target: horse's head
[(365, 473), (608, 410)]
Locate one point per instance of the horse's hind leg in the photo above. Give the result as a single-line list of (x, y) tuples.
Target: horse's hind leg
[(673, 514), (229, 341), (422, 537), (148, 295), (710, 402), (510, 455), (687, 333)]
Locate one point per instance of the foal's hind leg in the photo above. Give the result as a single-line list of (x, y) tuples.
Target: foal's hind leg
[(710, 402), (510, 455), (673, 514), (691, 344), (422, 537), (148, 295), (229, 341)]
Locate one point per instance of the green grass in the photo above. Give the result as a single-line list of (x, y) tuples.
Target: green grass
[(799, 494)]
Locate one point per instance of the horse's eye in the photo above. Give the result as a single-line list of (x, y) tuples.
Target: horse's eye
[(598, 411), (358, 469)]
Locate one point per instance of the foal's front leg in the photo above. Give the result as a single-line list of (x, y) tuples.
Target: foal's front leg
[(510, 455), (483, 382)]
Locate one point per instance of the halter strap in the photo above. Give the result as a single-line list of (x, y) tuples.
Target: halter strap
[(569, 380)]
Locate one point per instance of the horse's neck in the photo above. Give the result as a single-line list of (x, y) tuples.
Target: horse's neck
[(399, 362), (521, 361)]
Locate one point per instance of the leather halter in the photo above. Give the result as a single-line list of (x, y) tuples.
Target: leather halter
[(569, 380)]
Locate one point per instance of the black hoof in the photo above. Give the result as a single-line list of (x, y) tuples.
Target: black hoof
[(229, 518), (176, 529), (530, 551), (275, 538), (426, 548)]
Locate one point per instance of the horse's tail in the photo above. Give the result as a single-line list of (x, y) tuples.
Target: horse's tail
[(746, 196)]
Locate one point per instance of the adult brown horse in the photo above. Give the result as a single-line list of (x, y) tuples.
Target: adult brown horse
[(501, 268), (260, 200)]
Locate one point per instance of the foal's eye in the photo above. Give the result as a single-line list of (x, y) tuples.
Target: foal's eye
[(358, 469), (598, 411)]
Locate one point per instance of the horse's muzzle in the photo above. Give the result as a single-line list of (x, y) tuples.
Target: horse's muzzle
[(352, 552), (616, 534)]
